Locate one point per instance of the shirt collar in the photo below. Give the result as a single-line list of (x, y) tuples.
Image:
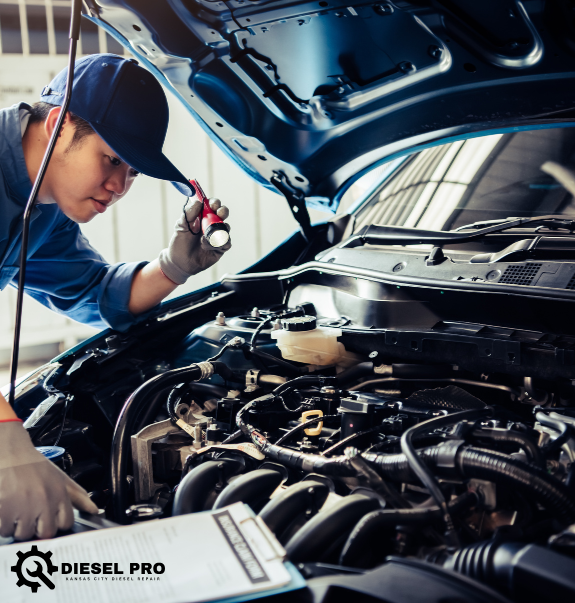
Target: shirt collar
[(12, 162)]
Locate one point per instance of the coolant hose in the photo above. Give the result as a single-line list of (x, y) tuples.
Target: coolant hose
[(512, 437), (127, 421), (366, 535)]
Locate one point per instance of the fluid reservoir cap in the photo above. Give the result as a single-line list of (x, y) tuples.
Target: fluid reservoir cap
[(299, 323), (52, 453)]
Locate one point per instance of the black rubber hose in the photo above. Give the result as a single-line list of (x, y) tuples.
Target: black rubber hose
[(421, 371), (352, 374), (478, 463), (522, 572), (302, 382), (358, 550), (198, 388), (557, 425), (274, 360), (507, 436), (293, 507), (253, 488), (125, 427), (321, 538), (420, 469), (195, 489)]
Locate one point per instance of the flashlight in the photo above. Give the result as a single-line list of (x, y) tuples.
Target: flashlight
[(214, 228)]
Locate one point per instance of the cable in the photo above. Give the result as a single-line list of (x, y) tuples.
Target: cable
[(74, 36), (302, 426), (233, 437), (63, 421), (421, 470), (260, 328), (302, 383), (349, 439), (235, 342)]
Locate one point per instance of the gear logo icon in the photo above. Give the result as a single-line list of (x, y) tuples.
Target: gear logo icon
[(33, 574)]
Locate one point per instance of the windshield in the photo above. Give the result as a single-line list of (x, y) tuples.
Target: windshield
[(485, 178)]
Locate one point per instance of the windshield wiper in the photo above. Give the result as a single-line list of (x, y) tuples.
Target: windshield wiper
[(400, 235), (550, 222)]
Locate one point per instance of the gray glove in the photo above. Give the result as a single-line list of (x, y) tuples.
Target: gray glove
[(36, 497), (188, 253)]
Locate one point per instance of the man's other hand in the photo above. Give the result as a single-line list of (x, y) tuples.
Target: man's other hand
[(188, 253), (36, 497)]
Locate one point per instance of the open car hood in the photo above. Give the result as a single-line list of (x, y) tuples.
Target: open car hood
[(306, 96)]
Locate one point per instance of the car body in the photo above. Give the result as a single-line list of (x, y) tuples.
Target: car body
[(445, 282)]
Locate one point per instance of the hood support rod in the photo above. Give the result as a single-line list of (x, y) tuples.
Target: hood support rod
[(75, 17)]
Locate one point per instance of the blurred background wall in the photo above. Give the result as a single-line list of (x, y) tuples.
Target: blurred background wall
[(34, 44)]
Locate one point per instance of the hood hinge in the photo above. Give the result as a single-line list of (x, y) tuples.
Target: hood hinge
[(296, 201)]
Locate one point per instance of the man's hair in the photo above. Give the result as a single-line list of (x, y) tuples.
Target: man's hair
[(39, 112)]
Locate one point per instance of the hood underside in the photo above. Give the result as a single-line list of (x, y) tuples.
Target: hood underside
[(306, 96)]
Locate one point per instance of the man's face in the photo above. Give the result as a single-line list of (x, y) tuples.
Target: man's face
[(86, 178)]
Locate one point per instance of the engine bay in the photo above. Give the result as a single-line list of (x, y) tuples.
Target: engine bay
[(359, 446)]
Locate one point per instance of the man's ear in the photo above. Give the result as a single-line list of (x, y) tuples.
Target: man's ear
[(52, 119)]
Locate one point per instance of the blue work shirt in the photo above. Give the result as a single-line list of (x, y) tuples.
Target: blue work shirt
[(63, 272)]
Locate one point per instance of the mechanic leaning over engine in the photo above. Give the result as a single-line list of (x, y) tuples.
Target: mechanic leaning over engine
[(114, 130)]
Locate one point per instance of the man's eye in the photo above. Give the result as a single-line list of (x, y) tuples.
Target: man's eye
[(115, 160), (134, 173)]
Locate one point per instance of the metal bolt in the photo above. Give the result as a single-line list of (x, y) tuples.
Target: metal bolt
[(383, 9), (221, 319), (435, 51), (255, 313), (406, 67)]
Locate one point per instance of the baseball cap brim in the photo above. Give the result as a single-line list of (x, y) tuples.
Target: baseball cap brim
[(143, 157)]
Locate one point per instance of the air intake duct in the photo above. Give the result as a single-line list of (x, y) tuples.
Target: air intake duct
[(523, 572)]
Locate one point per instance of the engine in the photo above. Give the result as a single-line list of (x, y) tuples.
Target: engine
[(353, 460)]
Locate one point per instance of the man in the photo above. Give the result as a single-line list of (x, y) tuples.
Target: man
[(115, 129)]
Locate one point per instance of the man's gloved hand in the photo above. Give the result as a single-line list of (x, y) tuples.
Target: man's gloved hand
[(36, 497), (188, 253)]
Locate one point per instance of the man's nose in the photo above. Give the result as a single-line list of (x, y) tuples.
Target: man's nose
[(118, 181)]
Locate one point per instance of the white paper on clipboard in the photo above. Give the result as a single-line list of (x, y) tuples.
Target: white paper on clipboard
[(208, 556)]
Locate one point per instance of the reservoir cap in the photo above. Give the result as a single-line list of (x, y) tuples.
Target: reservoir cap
[(53, 453), (299, 323)]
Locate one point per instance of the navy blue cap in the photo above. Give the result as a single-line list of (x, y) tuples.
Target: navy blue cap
[(127, 107)]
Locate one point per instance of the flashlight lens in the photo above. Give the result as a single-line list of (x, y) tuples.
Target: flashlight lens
[(219, 238)]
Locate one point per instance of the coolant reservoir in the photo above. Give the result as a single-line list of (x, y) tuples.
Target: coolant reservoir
[(302, 340)]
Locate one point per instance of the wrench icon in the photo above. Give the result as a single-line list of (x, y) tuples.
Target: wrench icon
[(39, 573)]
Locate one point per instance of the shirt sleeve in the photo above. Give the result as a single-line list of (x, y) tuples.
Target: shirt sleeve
[(67, 275)]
